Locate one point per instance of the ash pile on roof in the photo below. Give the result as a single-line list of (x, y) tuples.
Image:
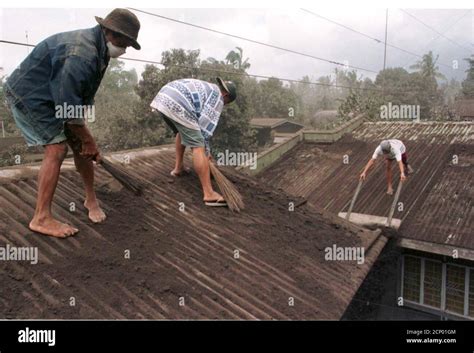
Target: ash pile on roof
[(166, 255)]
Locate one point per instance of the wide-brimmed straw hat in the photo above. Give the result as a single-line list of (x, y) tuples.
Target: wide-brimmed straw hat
[(124, 22)]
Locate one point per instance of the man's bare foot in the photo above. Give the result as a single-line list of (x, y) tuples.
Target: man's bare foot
[(180, 172), (52, 227), (390, 191), (96, 215)]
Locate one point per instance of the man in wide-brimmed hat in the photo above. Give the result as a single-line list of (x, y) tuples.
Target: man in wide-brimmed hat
[(49, 95), (192, 108)]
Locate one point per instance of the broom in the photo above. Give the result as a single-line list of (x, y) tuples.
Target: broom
[(119, 173), (122, 176), (229, 191)]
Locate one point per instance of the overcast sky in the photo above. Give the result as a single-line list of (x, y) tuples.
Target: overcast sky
[(289, 28)]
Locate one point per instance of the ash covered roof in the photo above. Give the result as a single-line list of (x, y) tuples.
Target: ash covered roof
[(437, 199), (182, 263)]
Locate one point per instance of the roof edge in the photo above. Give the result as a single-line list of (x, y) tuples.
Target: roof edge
[(435, 248), (10, 173)]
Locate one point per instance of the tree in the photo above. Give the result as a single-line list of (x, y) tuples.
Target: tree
[(468, 83), (360, 102), (235, 58), (418, 88), (427, 67), (361, 96), (9, 126), (324, 94), (450, 91), (274, 100), (115, 126), (395, 83)]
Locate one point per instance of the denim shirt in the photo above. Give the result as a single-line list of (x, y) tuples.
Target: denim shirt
[(66, 68)]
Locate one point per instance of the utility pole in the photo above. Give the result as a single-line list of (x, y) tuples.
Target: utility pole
[(27, 48), (385, 52)]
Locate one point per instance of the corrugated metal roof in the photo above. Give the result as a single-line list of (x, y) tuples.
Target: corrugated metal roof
[(437, 199), (445, 215), (428, 132), (176, 254)]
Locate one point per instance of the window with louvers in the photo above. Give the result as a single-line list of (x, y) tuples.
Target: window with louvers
[(471, 294), (455, 281), (432, 283), (411, 279)]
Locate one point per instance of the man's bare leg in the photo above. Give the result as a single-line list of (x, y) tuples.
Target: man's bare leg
[(179, 166), (48, 176), (201, 165), (86, 169), (389, 177)]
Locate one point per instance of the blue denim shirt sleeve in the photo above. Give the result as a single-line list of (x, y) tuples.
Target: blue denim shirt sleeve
[(70, 80), (65, 68)]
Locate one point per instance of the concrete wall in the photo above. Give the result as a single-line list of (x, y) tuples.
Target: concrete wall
[(330, 136), (6, 142), (270, 156), (274, 153)]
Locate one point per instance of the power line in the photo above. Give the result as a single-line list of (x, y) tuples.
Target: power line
[(252, 75), (434, 30), (342, 25), (253, 41), (17, 43), (366, 35), (444, 31), (240, 73), (223, 71)]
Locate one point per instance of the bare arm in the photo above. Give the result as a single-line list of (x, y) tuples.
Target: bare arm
[(402, 170), (89, 147), (369, 164)]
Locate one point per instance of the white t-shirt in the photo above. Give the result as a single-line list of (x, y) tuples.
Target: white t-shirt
[(397, 149)]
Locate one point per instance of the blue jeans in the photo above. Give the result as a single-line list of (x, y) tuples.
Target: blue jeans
[(33, 133)]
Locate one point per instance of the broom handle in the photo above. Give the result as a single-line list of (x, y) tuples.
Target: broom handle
[(76, 146), (394, 204), (354, 198)]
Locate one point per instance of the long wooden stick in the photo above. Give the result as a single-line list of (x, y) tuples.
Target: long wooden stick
[(354, 198), (394, 204)]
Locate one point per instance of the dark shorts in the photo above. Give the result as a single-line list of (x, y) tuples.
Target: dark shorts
[(189, 137), (404, 158)]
